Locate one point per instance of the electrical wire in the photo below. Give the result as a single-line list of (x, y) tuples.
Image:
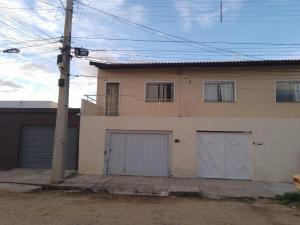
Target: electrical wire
[(19, 24), (168, 52), (62, 5), (30, 41), (48, 3), (37, 45), (40, 86), (163, 10), (173, 41), (160, 33)]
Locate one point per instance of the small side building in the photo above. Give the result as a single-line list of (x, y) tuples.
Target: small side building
[(27, 135)]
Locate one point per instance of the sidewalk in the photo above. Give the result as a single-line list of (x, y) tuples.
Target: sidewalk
[(161, 186), (26, 180), (28, 176), (210, 188)]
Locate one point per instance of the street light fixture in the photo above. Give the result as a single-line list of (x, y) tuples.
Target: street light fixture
[(11, 50)]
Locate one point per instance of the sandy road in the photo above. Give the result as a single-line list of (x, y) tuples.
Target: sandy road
[(59, 208)]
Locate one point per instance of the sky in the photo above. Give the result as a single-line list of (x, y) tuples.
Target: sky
[(139, 31)]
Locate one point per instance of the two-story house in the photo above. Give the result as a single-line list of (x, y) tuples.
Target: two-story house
[(228, 120)]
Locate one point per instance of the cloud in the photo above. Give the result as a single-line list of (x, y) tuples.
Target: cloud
[(8, 86), (28, 80), (31, 23), (34, 71), (203, 14), (137, 13), (80, 86), (134, 12)]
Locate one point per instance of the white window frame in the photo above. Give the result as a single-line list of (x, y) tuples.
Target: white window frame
[(218, 81), (275, 89), (159, 82)]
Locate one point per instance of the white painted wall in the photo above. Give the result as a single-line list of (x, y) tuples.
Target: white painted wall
[(277, 159)]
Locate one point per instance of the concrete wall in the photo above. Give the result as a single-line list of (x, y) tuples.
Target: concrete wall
[(91, 109), (277, 159), (255, 91)]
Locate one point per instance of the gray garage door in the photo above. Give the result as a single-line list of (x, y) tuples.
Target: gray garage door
[(36, 148), (138, 154)]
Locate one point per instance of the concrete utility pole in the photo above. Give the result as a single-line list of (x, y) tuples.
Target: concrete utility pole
[(61, 129)]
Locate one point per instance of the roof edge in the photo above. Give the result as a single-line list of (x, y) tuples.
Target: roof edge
[(139, 65), (36, 110)]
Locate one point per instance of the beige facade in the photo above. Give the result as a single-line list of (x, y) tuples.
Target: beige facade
[(255, 92), (274, 127)]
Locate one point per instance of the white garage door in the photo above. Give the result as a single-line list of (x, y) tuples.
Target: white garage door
[(224, 155), (137, 154)]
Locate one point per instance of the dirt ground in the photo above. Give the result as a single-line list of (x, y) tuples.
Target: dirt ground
[(60, 208)]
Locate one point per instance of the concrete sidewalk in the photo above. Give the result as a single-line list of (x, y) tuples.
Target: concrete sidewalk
[(28, 176), (210, 188), (162, 186)]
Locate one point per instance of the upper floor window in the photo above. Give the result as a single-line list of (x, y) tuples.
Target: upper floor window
[(219, 91), (159, 91), (287, 91)]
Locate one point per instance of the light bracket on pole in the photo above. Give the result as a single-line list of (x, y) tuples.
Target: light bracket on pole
[(81, 52)]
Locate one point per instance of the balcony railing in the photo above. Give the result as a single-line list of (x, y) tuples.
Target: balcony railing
[(126, 105)]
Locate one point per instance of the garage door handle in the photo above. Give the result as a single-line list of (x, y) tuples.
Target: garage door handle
[(105, 152)]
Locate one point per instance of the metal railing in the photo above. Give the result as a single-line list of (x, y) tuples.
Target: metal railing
[(106, 105), (127, 105)]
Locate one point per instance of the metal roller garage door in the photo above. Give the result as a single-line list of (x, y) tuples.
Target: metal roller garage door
[(138, 154), (37, 148), (224, 155)]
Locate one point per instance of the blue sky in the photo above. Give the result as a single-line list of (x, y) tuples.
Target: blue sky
[(248, 29)]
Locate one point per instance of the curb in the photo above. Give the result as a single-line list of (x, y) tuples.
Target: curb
[(169, 193)]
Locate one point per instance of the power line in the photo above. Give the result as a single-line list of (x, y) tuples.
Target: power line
[(33, 30), (24, 8), (20, 25), (62, 5), (168, 51), (30, 41), (202, 3), (12, 27), (159, 33), (80, 75), (40, 86), (48, 3), (196, 14), (173, 41), (37, 45)]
